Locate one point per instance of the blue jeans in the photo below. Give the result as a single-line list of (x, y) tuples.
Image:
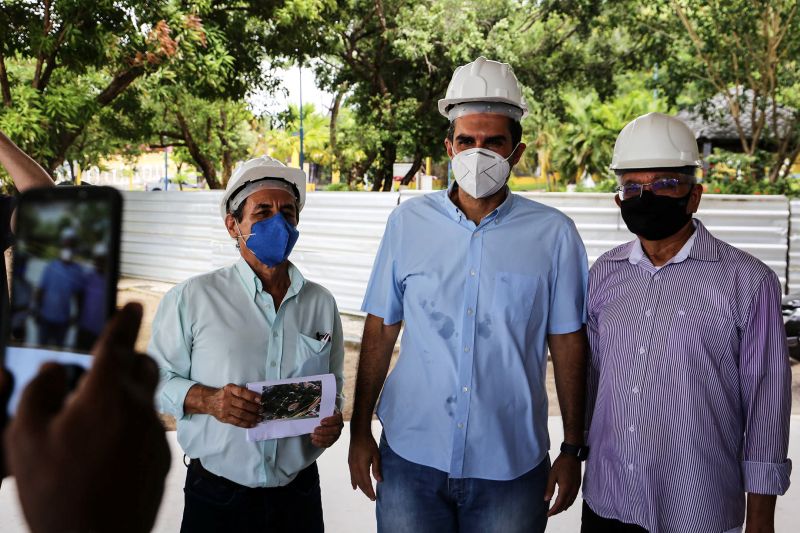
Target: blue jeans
[(418, 499)]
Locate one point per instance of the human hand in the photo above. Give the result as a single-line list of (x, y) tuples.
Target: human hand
[(328, 431), (96, 459), (566, 473), (363, 454), (235, 405)]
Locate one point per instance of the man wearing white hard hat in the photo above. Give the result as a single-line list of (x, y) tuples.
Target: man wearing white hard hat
[(255, 320), (484, 281), (689, 384)]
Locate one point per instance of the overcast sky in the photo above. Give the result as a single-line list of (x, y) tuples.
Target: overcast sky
[(263, 102)]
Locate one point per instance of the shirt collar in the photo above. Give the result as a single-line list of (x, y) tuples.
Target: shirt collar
[(253, 284), (701, 246), (456, 214)]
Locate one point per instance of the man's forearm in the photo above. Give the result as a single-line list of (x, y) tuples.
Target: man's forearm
[(569, 366), (24, 171), (760, 512), (377, 345)]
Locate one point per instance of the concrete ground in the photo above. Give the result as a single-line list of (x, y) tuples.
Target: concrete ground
[(347, 511)]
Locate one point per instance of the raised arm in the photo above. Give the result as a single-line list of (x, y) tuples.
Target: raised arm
[(24, 171)]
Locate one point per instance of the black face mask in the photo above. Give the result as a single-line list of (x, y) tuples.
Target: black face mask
[(655, 217)]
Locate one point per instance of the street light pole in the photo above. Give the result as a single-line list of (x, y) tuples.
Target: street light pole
[(301, 116)]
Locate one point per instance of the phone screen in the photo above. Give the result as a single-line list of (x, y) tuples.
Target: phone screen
[(63, 286)]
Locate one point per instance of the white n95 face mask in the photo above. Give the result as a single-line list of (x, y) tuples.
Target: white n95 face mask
[(481, 172)]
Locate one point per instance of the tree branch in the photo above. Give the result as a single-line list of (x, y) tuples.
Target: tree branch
[(40, 56)]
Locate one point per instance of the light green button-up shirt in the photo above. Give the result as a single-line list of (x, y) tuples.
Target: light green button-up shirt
[(221, 328)]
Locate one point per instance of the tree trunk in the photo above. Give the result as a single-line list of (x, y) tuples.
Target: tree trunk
[(357, 171), (5, 86), (337, 102), (202, 162), (385, 170), (415, 165), (227, 157)]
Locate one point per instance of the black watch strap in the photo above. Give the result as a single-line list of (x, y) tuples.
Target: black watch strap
[(579, 452)]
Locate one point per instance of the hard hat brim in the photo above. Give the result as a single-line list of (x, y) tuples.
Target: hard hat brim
[(644, 164), (445, 103)]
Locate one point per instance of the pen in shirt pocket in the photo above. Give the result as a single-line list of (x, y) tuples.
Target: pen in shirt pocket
[(324, 338)]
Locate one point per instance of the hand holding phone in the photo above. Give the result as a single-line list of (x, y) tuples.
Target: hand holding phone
[(64, 280), (98, 461)]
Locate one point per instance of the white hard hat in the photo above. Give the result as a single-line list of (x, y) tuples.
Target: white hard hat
[(655, 140), (483, 80), (261, 168)]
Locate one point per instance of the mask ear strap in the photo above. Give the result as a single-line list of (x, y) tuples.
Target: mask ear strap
[(238, 229), (514, 150)]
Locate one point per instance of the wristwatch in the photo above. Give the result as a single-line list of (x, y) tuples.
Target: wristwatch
[(579, 452)]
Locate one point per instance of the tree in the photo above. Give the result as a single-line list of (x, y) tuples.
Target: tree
[(584, 142), (282, 139), (65, 65), (61, 63), (740, 53)]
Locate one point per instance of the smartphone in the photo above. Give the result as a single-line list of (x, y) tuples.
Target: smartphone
[(64, 280)]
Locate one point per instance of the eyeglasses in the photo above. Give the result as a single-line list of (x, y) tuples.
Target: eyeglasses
[(659, 187)]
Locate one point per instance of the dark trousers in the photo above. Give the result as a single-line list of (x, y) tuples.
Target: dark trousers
[(591, 522), (215, 504), (86, 340), (52, 334)]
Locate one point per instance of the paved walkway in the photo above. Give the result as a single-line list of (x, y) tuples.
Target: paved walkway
[(349, 512)]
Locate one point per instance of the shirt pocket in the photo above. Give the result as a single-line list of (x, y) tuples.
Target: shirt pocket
[(313, 357), (514, 295), (704, 340)]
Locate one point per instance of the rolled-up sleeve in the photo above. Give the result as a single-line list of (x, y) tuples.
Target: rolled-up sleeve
[(765, 381), (384, 296), (568, 284), (170, 346)]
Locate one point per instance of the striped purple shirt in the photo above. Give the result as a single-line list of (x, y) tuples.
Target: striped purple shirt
[(689, 390)]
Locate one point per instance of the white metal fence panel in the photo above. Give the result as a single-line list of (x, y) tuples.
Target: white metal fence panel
[(755, 224), (171, 236), (794, 246)]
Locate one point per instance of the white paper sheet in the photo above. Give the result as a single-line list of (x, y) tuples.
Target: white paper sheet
[(295, 409)]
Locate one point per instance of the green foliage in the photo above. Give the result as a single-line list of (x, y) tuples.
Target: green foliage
[(337, 187), (583, 142), (283, 140)]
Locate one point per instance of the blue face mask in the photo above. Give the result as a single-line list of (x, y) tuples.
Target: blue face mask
[(271, 240)]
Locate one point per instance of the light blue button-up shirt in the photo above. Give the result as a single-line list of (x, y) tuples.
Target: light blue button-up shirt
[(221, 328), (467, 395)]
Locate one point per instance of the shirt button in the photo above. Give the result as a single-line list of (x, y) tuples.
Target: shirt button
[(465, 389), (630, 467), (466, 348), (275, 335), (460, 425), (477, 233), (631, 429), (681, 312), (648, 312), (470, 311), (272, 364), (657, 277), (642, 350), (471, 272), (635, 390)]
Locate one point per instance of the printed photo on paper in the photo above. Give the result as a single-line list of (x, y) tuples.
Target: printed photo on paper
[(293, 406)]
